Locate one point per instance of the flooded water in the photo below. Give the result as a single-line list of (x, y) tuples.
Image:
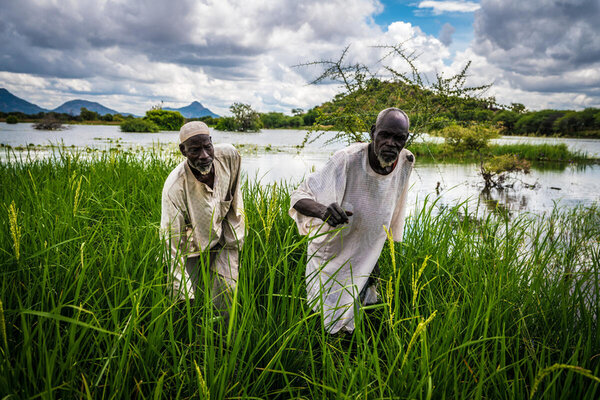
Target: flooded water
[(273, 155)]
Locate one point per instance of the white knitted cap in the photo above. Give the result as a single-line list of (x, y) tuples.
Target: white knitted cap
[(192, 129)]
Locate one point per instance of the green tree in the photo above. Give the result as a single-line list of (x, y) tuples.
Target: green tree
[(494, 170), (310, 117), (517, 108), (365, 93), (138, 125), (165, 120), (538, 122), (12, 119), (226, 124), (506, 121), (273, 120), (246, 119), (87, 115)]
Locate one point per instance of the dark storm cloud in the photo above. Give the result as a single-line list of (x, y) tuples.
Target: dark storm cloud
[(67, 39), (48, 40), (539, 37), (446, 33)]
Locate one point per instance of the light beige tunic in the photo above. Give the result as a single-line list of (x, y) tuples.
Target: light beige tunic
[(340, 260), (196, 218)]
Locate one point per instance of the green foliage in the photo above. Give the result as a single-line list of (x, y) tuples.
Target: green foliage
[(244, 119), (165, 120), (272, 120), (107, 117), (226, 124), (364, 93), (506, 121), (138, 125), (472, 308), (442, 152), (540, 122), (310, 117), (87, 115), (496, 169), (12, 119), (208, 120), (474, 137)]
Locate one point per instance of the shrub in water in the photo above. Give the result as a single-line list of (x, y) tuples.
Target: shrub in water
[(138, 125), (165, 120)]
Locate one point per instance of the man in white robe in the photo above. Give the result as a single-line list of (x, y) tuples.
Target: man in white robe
[(202, 211), (344, 207)]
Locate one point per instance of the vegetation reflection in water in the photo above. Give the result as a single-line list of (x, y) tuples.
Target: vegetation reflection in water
[(471, 307)]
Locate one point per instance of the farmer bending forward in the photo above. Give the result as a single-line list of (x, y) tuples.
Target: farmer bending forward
[(202, 211), (344, 207)]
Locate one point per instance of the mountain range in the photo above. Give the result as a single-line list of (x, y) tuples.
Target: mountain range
[(11, 103), (194, 110)]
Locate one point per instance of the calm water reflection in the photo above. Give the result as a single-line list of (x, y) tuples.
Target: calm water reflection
[(564, 184)]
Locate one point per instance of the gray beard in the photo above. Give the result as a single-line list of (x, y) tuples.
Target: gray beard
[(203, 171), (384, 163)]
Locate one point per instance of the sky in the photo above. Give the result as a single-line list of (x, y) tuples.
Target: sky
[(130, 55)]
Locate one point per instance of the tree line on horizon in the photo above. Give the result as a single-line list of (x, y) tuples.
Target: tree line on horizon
[(514, 119)]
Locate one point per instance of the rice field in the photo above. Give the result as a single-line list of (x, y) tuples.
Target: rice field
[(471, 307)]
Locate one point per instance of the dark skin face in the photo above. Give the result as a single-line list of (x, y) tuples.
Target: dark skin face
[(388, 140), (200, 155)]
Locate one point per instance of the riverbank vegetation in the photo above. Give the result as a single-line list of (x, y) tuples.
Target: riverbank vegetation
[(155, 120), (442, 152), (472, 307), (510, 120)]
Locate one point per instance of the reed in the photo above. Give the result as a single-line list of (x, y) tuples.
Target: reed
[(472, 307), (441, 152)]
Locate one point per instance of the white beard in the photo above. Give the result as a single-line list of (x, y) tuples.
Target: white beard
[(384, 163), (205, 171)]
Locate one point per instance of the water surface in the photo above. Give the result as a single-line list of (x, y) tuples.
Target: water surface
[(273, 155)]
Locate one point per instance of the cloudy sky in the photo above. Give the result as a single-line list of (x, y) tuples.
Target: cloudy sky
[(132, 54)]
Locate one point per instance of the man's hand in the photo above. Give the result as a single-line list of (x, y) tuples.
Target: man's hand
[(334, 215)]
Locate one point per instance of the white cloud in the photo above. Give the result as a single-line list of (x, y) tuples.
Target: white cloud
[(130, 55), (440, 7)]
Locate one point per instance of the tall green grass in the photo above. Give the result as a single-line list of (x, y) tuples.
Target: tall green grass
[(441, 152), (471, 308)]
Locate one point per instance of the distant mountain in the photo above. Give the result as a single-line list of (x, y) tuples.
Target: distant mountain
[(9, 103), (194, 110), (73, 107)]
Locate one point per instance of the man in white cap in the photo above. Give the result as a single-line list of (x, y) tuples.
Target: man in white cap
[(202, 217), (345, 208)]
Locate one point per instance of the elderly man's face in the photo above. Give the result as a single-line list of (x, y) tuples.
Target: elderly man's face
[(199, 152), (389, 138)]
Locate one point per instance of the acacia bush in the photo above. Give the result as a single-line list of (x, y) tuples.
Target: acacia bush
[(165, 120), (138, 125)]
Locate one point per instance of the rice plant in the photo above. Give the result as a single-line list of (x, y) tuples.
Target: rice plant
[(471, 307)]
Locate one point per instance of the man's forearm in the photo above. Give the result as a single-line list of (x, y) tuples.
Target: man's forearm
[(310, 208)]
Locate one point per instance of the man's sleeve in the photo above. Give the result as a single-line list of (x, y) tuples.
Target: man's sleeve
[(397, 224), (227, 259), (173, 233), (324, 186), (233, 230)]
